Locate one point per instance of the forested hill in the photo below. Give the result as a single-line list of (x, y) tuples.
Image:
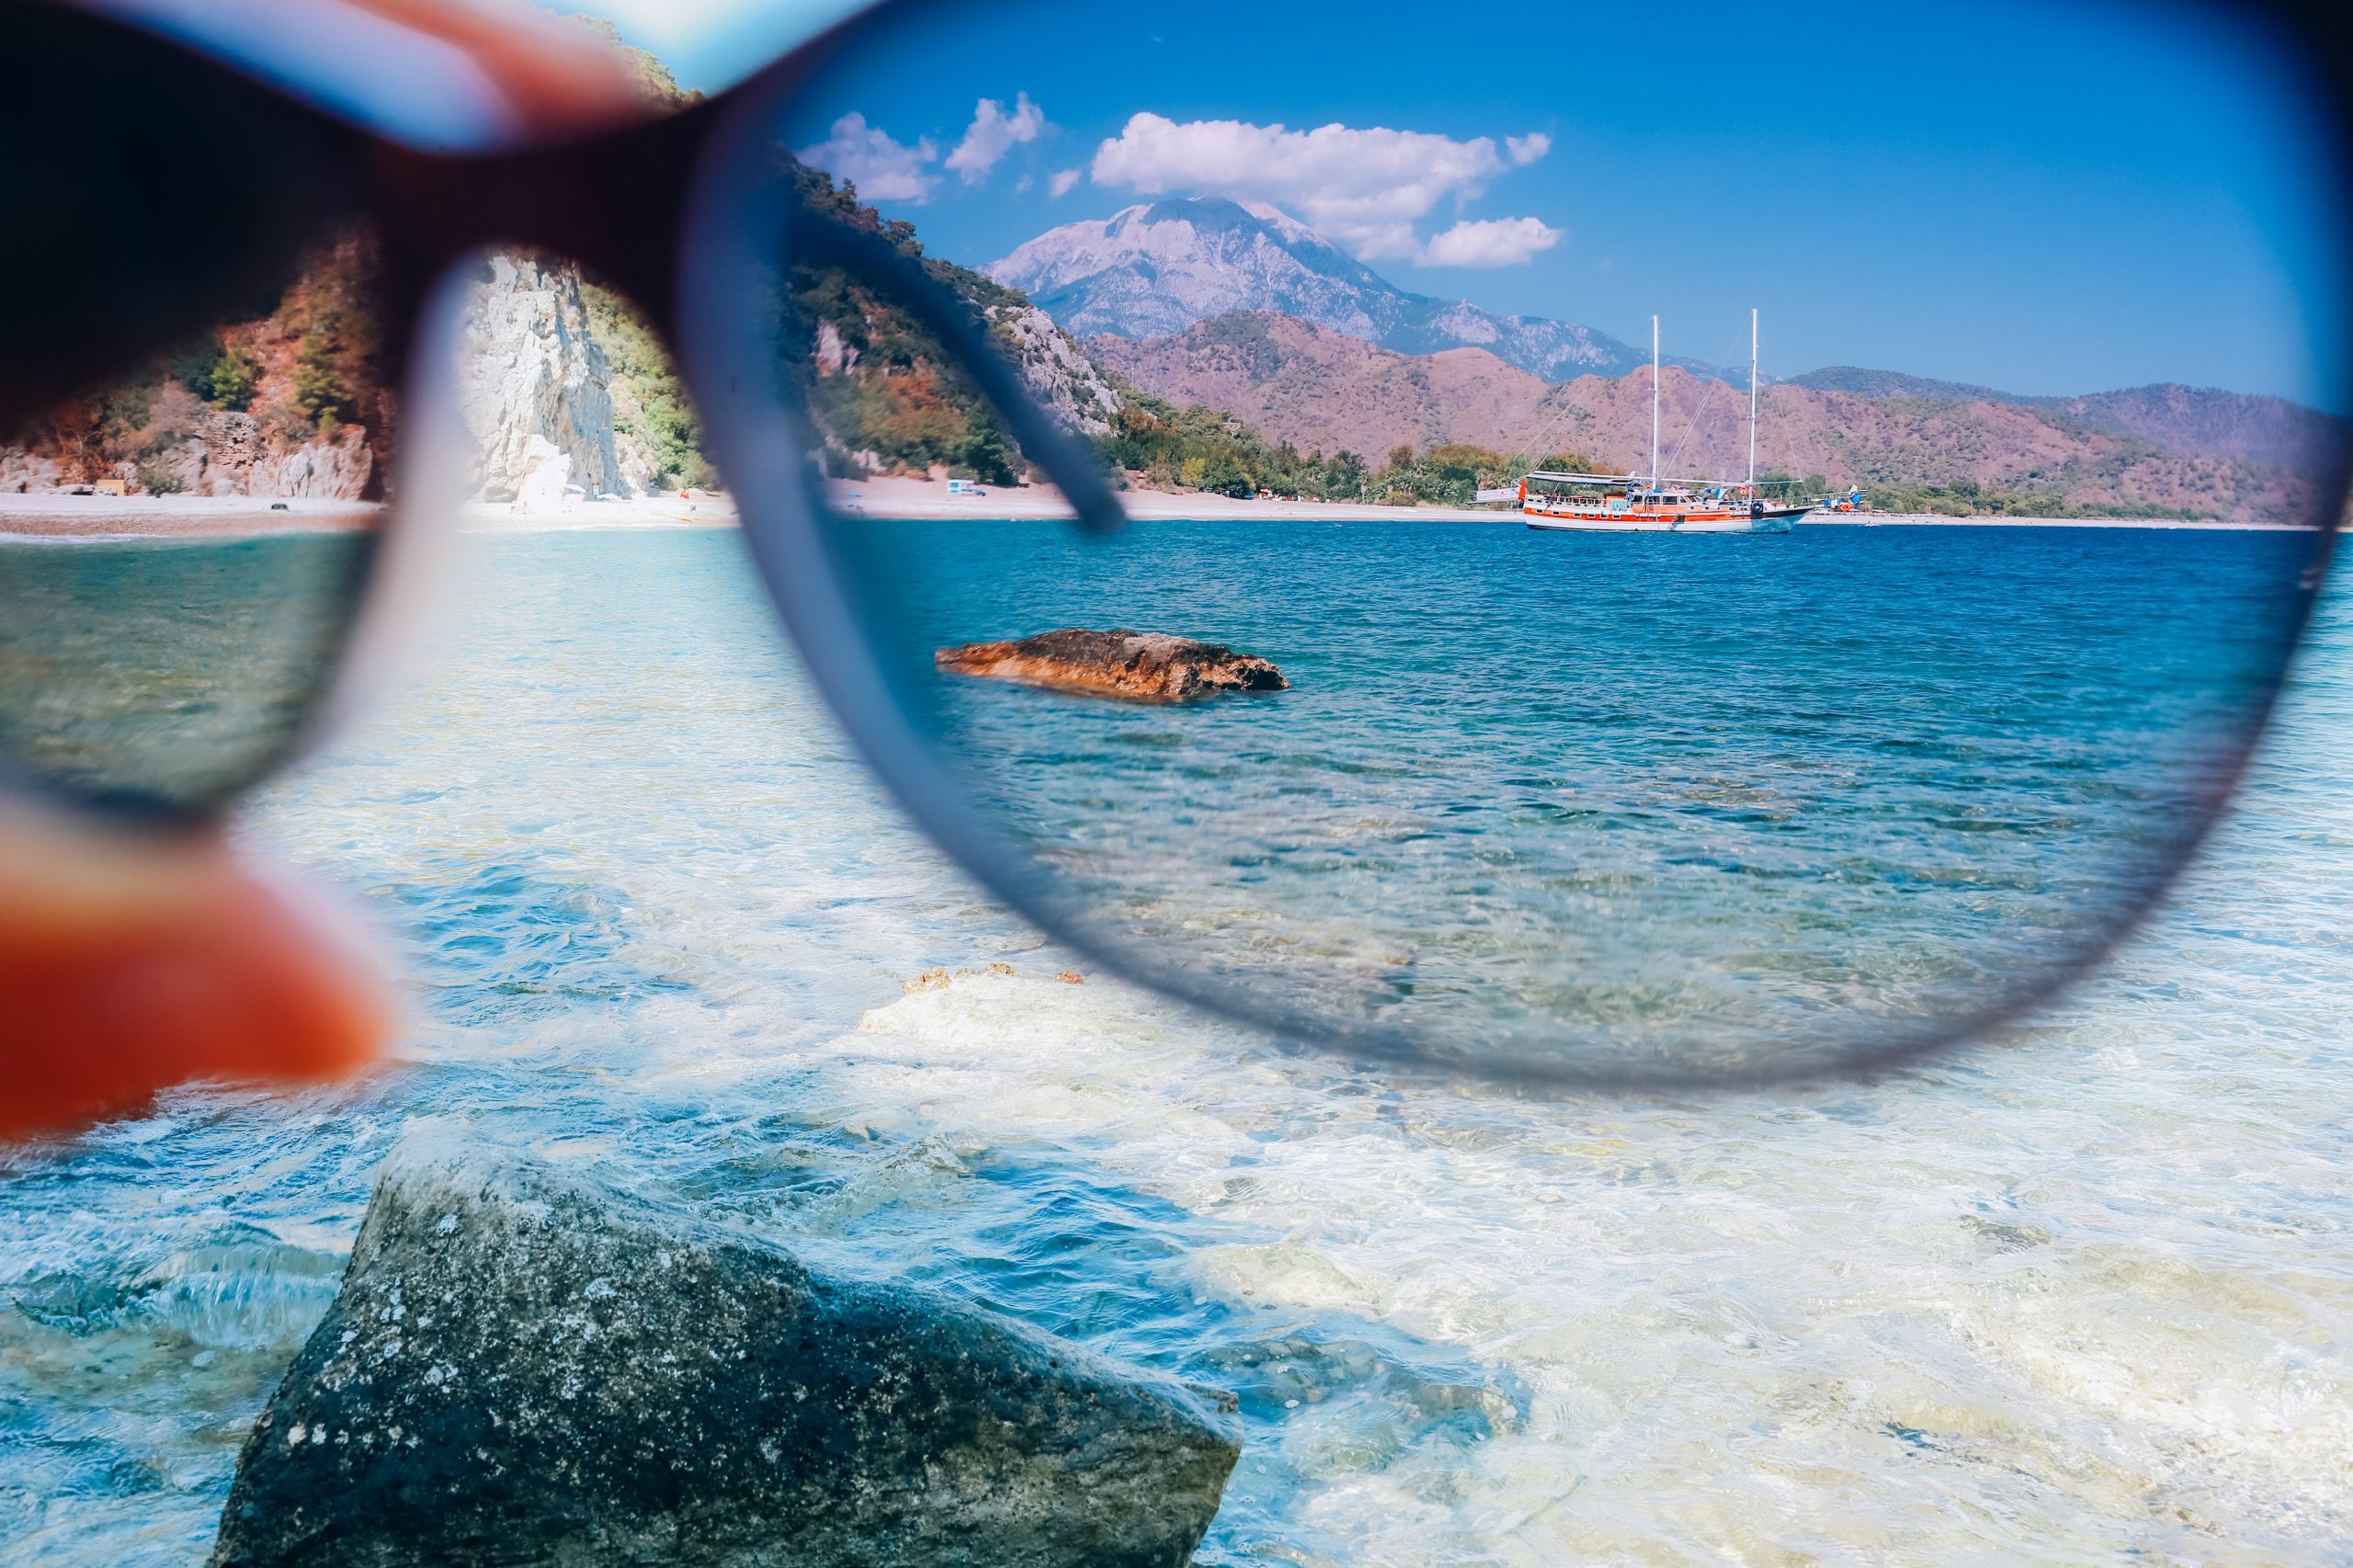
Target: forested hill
[(884, 394)]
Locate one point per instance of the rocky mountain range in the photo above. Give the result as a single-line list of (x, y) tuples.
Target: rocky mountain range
[(2251, 429), (1327, 391), (2174, 448), (1157, 268), (564, 388), (1239, 307)]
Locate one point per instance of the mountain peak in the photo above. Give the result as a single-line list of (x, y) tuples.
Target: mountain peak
[(1158, 267)]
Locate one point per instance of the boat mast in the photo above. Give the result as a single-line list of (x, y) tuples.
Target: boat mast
[(1654, 403), (1752, 400)]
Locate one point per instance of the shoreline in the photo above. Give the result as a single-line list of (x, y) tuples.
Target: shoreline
[(1937, 520), (586, 516), (104, 517), (98, 519)]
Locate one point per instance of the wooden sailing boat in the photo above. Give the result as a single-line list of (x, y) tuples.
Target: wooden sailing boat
[(1625, 503)]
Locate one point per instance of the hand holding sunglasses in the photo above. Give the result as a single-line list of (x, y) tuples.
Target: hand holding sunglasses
[(1584, 792)]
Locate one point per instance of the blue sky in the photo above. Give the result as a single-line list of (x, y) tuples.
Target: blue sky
[(2045, 198)]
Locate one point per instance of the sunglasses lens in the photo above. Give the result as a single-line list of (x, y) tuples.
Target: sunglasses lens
[(1464, 686), (183, 550)]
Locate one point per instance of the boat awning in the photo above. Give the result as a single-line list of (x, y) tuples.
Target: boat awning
[(1646, 483)]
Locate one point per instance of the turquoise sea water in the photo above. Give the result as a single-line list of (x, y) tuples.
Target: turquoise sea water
[(2084, 1293), (1615, 801), (171, 670)]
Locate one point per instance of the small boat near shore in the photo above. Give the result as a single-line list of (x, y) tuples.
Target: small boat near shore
[(1625, 503)]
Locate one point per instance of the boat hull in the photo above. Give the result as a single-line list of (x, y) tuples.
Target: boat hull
[(1772, 520)]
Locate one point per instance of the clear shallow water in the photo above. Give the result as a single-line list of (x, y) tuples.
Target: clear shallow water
[(2084, 1294), (168, 669), (1628, 802)]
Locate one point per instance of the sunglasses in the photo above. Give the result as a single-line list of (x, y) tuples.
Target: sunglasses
[(1444, 683)]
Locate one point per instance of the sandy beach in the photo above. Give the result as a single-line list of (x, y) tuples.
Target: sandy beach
[(179, 516), (191, 517), (927, 498), (643, 512)]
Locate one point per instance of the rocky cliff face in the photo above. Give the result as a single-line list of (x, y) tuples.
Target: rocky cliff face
[(296, 403), (1060, 377), (535, 387), (206, 451), (549, 414), (538, 389)]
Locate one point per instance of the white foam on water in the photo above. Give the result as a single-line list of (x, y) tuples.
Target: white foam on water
[(1907, 1322)]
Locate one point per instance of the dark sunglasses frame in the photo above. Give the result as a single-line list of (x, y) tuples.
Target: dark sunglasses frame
[(616, 203), (644, 208)]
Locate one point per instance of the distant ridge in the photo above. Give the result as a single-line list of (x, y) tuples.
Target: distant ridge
[(1155, 269), (2182, 420), (1862, 382), (1327, 391)]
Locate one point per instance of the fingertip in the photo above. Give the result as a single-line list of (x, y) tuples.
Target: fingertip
[(114, 989)]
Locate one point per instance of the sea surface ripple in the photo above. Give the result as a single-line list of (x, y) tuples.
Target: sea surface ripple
[(2084, 1293)]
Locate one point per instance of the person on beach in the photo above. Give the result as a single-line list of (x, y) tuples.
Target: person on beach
[(130, 962)]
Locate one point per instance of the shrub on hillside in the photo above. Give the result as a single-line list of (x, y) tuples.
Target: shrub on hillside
[(320, 390)]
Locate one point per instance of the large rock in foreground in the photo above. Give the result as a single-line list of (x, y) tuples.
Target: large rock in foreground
[(1141, 666), (524, 1368)]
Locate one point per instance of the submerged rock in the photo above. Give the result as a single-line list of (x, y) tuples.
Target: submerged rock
[(526, 1368), (1141, 666)]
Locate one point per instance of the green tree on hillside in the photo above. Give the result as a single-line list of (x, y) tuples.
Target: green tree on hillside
[(653, 76), (985, 454), (1226, 476), (650, 405), (222, 374), (320, 391), (233, 380), (1344, 476)]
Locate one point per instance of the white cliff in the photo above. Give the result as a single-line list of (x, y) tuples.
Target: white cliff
[(535, 383)]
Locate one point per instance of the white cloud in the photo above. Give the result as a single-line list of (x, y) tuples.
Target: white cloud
[(1490, 242), (882, 169), (1365, 189), (1525, 150), (1061, 184), (993, 134)]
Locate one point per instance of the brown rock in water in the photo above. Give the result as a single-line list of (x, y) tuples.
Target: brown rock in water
[(1139, 667)]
